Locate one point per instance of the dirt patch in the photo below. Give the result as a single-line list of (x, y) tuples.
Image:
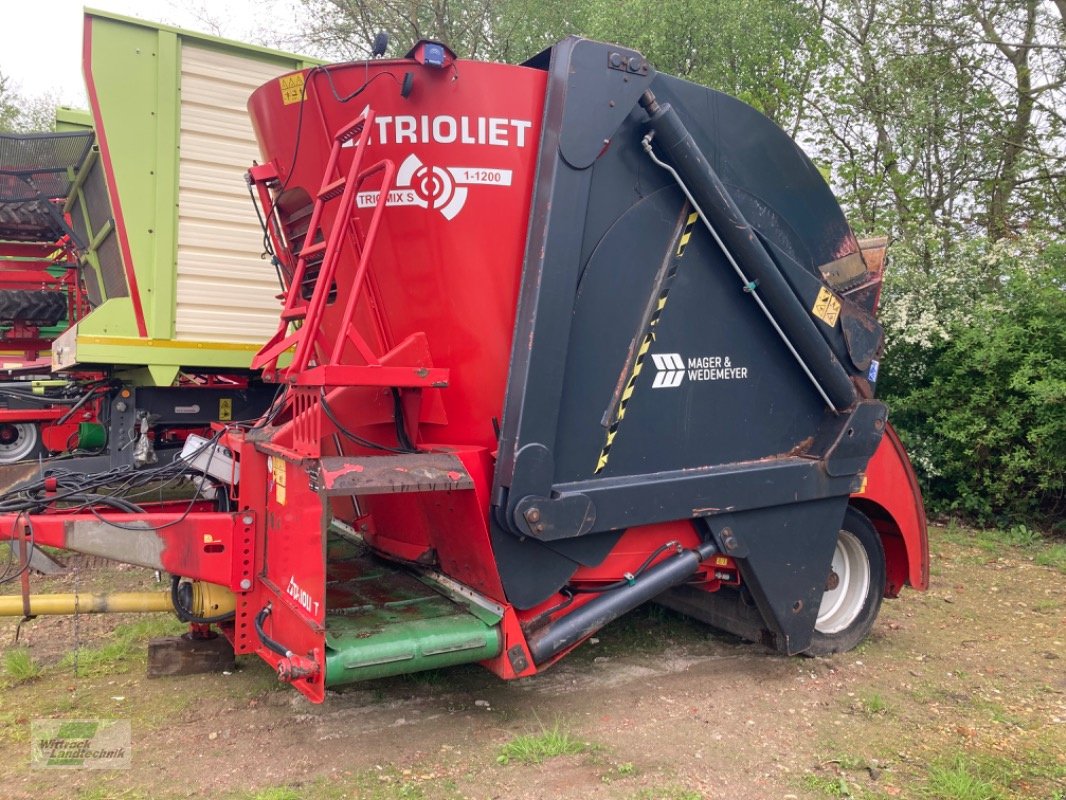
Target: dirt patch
[(967, 681)]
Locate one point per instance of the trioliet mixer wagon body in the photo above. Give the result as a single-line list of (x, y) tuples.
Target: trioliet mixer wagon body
[(556, 340)]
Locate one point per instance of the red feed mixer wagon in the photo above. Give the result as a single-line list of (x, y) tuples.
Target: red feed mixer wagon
[(557, 339)]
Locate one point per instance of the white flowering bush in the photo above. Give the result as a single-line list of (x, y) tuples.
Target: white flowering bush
[(975, 374)]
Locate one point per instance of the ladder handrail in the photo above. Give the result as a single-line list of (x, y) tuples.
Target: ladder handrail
[(306, 315), (388, 168), (331, 256)]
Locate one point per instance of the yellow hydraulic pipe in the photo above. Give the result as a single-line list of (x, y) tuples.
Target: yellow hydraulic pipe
[(112, 602)]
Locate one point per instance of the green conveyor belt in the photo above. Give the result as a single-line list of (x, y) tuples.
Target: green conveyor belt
[(382, 621)]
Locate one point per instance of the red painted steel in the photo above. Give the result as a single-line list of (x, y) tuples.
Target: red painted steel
[(447, 260), (892, 499)]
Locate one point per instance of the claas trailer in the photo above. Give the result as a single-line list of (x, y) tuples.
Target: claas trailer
[(555, 340), (143, 214)]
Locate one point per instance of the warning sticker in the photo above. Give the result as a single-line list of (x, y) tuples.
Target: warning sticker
[(826, 307), (279, 480), (292, 88), (225, 409)]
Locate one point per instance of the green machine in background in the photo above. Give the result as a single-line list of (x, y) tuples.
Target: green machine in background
[(170, 247), (180, 284)]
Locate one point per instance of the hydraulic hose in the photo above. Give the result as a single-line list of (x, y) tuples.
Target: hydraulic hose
[(269, 643)]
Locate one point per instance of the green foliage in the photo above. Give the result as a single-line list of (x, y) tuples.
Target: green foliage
[(835, 786), (981, 403), (765, 56), (22, 113), (278, 793), (670, 792), (20, 666), (533, 748)]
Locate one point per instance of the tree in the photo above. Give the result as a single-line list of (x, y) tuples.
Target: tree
[(503, 30), (23, 114), (765, 56), (765, 53)]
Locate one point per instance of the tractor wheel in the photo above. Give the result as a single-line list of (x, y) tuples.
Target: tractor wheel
[(18, 440), (28, 220), (854, 588), (39, 308)]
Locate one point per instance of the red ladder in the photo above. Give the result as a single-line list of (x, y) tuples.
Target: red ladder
[(308, 338)]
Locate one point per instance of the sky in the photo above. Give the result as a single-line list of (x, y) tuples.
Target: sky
[(40, 40)]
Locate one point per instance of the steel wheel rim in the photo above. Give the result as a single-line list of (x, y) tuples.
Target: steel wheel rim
[(842, 605), (17, 441)]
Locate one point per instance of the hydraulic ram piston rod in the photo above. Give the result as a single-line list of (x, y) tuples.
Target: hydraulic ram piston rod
[(592, 616), (709, 195)]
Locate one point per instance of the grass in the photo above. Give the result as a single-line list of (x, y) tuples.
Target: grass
[(619, 772), (278, 793), (1045, 606), (835, 786), (1052, 555), (533, 748), (1044, 551), (667, 793), (960, 781), (107, 793), (20, 666), (874, 704), (383, 783), (126, 647), (970, 775)]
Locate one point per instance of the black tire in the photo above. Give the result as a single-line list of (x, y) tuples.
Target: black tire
[(38, 308), (28, 220), (850, 607)]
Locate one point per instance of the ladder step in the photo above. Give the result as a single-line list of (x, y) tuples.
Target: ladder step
[(331, 190), (297, 312), (313, 250), (349, 133), (414, 472)]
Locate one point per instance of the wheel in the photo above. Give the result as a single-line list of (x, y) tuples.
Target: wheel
[(17, 441), (42, 308), (28, 220), (854, 588)]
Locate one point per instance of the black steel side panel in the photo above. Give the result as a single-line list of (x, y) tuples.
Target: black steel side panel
[(174, 405), (645, 385)]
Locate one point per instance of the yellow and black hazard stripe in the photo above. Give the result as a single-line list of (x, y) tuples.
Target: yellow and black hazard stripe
[(647, 340)]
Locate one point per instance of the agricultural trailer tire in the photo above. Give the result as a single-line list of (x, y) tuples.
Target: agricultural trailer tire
[(41, 308), (18, 441), (855, 588)]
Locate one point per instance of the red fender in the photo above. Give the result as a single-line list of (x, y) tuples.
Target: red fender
[(890, 497)]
